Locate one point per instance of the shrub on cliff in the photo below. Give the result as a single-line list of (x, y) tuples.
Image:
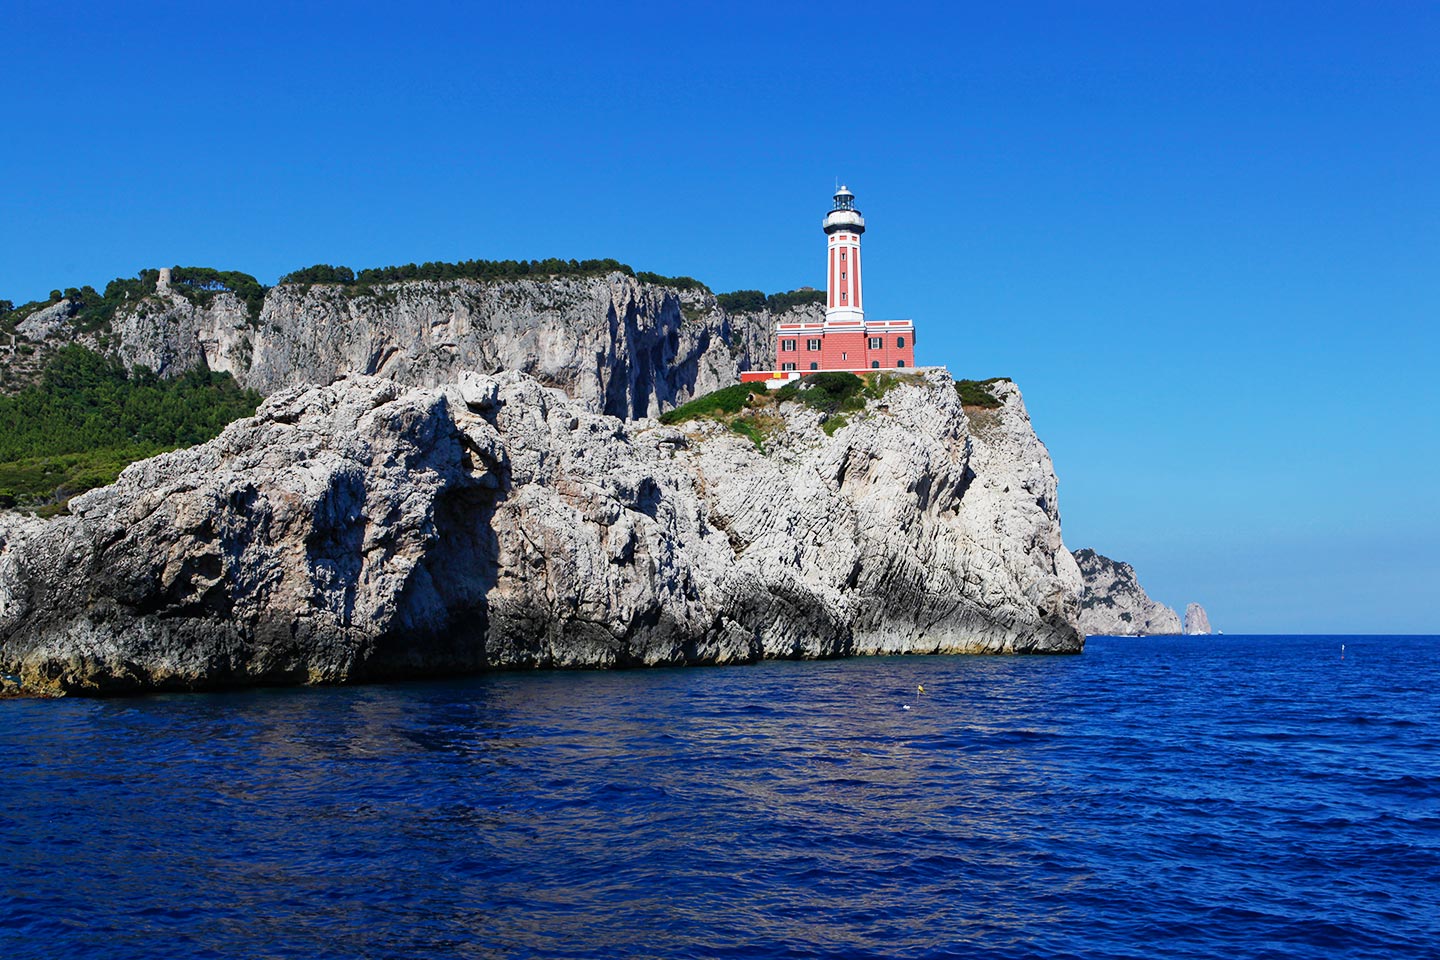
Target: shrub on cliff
[(976, 393), (679, 283), (780, 302), (492, 270), (199, 285), (96, 310), (828, 392), (753, 301), (742, 301), (320, 273), (730, 399)]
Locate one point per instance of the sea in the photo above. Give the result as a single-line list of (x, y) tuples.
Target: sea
[(1203, 797)]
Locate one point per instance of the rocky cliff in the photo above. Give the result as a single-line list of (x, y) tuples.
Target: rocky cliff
[(1113, 603), (1197, 622), (365, 529), (622, 346)]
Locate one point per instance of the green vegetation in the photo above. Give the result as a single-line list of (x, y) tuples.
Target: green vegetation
[(749, 408), (481, 270), (975, 393), (780, 302), (89, 417), (464, 270), (730, 399), (46, 483), (679, 283), (95, 310), (748, 429), (320, 273), (753, 301), (828, 392), (742, 301), (199, 285)]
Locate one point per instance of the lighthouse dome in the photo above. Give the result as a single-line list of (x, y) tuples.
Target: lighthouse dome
[(844, 216)]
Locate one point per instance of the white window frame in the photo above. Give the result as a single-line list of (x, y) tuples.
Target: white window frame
[(787, 367), (787, 345), (877, 343), (812, 345)]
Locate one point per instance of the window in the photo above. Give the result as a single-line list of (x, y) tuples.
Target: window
[(876, 343), (874, 364), (787, 344), (900, 342), (899, 363), (787, 366), (814, 366), (812, 344), (843, 295), (844, 356), (842, 255)]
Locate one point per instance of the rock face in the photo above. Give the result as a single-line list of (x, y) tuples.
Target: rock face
[(1113, 603), (365, 530), (623, 347), (1196, 621)]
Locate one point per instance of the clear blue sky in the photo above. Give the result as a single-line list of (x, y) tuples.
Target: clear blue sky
[(1204, 238)]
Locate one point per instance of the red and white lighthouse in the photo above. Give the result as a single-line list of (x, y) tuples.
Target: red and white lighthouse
[(843, 293), (844, 340)]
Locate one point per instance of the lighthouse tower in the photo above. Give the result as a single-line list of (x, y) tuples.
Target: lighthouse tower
[(843, 227)]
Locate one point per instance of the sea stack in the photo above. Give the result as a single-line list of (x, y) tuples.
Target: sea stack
[(1196, 622)]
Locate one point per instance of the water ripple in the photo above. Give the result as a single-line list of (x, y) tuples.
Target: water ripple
[(1152, 798)]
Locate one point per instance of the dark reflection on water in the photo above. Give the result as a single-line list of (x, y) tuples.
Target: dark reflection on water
[(1230, 797)]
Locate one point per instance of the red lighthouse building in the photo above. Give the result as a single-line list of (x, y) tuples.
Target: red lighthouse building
[(844, 340)]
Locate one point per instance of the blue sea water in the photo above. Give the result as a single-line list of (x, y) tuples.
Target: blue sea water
[(1207, 797)]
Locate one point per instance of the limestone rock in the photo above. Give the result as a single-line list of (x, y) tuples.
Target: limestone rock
[(170, 334), (624, 347), (363, 529), (52, 321), (1112, 602), (1196, 621)]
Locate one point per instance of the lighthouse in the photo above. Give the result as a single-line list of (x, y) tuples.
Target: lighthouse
[(843, 227), (844, 340)]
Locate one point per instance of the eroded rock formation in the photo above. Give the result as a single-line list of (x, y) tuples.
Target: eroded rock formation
[(624, 347), (365, 529), (1196, 621), (1114, 604)]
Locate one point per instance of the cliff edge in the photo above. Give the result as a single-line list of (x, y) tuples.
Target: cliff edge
[(366, 529)]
